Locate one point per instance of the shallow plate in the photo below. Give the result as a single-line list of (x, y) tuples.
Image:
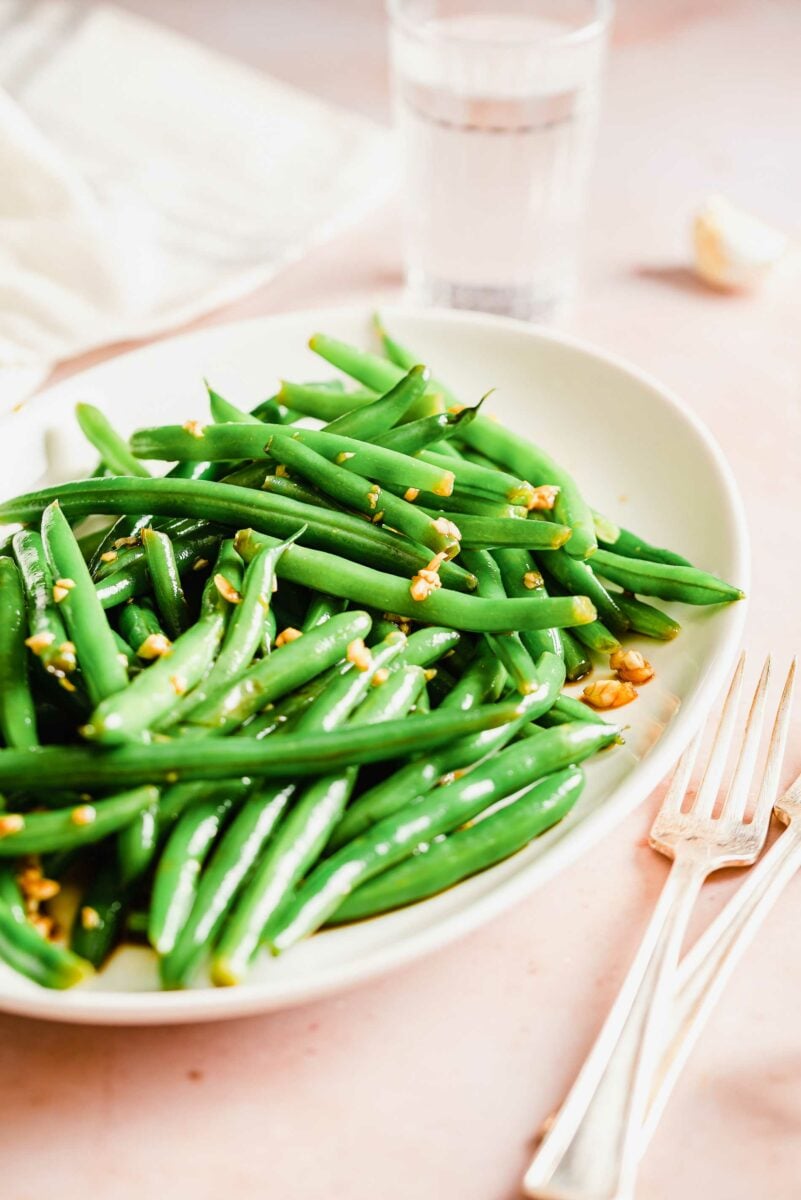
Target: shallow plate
[(640, 457)]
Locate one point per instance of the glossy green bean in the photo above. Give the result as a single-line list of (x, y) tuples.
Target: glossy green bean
[(445, 862), (132, 578), (665, 580), (138, 623), (113, 449), (577, 664), (439, 811), (321, 609), (325, 401), (226, 758), (647, 620), (489, 533), (225, 442), (80, 608), (509, 647), (428, 645), (415, 436), (137, 842), (356, 492), (177, 873), (101, 915), (313, 568), (471, 479), (631, 545), (48, 634), (61, 829), (368, 422), (372, 371), (166, 580), (17, 709), (596, 637)]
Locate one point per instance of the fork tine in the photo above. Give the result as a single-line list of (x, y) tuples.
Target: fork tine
[(736, 798), (710, 784), (679, 782), (773, 762)]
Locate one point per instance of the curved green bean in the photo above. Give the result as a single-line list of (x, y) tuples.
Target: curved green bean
[(647, 620), (369, 421), (665, 580), (48, 634), (113, 449), (17, 709), (631, 545)]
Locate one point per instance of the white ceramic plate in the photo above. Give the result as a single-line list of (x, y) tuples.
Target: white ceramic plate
[(640, 457)]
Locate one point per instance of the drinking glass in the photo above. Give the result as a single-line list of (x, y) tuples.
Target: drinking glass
[(496, 105)]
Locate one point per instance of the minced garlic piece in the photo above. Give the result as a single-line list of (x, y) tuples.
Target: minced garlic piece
[(67, 684), (608, 693), (126, 541), (631, 666), (427, 579), (448, 528), (381, 676), (84, 814), (200, 564), (38, 642), (90, 917), (282, 471), (34, 886), (62, 589), (287, 635), (532, 580), (11, 823), (227, 590), (445, 486), (411, 494), (358, 654), (373, 494), (155, 645), (179, 684), (109, 556), (543, 498), (196, 428)]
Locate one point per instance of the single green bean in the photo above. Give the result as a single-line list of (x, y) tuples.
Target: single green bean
[(631, 545), (325, 401), (367, 422), (490, 532), (647, 620), (176, 880), (665, 580), (17, 709), (24, 949), (321, 609), (372, 371), (521, 578), (489, 483), (43, 832), (113, 449), (508, 646), (100, 918), (577, 664), (165, 577), (162, 762), (596, 637), (138, 623), (137, 842), (48, 634), (444, 862), (578, 578), (89, 630), (315, 569)]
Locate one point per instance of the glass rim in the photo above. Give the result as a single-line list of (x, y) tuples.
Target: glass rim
[(592, 28)]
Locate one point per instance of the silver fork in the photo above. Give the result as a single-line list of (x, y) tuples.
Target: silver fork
[(592, 1147)]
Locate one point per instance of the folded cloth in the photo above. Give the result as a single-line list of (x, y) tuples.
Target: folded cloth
[(147, 180)]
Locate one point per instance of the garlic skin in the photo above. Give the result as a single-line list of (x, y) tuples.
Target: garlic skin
[(733, 250)]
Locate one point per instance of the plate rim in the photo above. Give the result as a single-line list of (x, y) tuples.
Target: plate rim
[(211, 1004)]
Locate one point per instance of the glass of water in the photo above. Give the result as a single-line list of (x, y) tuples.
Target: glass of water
[(496, 105)]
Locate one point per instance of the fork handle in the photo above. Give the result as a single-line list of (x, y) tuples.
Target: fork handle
[(708, 967), (591, 1150)]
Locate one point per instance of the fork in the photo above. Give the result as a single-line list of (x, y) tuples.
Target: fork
[(591, 1149)]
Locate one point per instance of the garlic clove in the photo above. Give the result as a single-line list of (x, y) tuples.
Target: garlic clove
[(733, 250)]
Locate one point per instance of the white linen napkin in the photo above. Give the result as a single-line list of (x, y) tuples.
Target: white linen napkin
[(146, 180)]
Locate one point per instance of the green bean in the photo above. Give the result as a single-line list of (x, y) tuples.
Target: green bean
[(440, 811), (367, 422), (176, 879), (133, 579), (341, 533), (442, 863), (665, 580), (226, 413), (595, 636), (647, 620), (631, 545), (415, 436), (315, 569), (508, 646), (321, 609), (428, 645), (301, 838), (161, 762), (17, 709), (605, 530), (577, 664), (565, 709), (126, 652), (91, 541), (521, 578), (164, 575), (288, 667), (473, 506), (232, 859), (325, 401), (48, 634), (475, 480), (43, 832), (124, 716), (24, 949), (138, 623), (101, 915), (487, 533), (113, 449), (355, 491), (137, 842), (130, 556), (578, 577), (81, 610), (278, 485)]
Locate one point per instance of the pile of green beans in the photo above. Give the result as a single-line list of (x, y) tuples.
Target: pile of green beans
[(190, 696)]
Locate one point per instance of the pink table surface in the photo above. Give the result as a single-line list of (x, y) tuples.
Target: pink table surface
[(431, 1082)]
